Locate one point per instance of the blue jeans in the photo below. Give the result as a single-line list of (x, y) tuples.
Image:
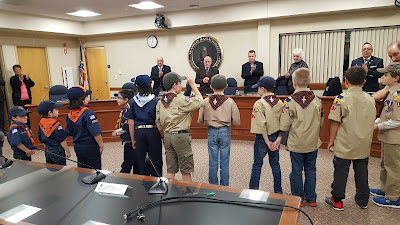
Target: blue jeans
[(260, 151), (306, 161), (54, 159), (219, 143)]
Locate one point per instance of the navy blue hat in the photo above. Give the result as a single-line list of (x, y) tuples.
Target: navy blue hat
[(142, 81), (77, 91), (266, 82), (17, 111), (46, 106)]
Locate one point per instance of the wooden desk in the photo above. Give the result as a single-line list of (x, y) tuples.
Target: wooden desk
[(107, 112), (66, 199)]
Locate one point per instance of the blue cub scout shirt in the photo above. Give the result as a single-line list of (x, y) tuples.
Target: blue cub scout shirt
[(82, 125), (19, 135), (145, 115), (51, 132)]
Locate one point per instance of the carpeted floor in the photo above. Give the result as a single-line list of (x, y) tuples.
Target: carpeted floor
[(240, 169)]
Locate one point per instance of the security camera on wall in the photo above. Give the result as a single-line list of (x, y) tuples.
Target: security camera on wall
[(160, 20)]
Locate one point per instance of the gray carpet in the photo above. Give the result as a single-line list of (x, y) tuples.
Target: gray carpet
[(240, 169)]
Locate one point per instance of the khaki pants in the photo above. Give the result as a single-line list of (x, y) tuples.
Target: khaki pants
[(390, 171), (178, 152)]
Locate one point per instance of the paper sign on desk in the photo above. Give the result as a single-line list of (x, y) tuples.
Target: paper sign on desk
[(111, 189)]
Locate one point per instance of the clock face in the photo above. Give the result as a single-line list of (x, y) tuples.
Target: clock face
[(152, 41)]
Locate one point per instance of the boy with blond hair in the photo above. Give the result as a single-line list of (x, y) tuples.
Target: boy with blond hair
[(302, 117)]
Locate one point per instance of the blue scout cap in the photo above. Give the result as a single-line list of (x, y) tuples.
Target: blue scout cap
[(77, 91), (46, 106), (142, 81), (17, 111), (266, 82)]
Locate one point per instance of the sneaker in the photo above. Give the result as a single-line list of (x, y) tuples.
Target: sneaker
[(361, 207), (313, 204), (377, 192), (384, 202), (335, 205)]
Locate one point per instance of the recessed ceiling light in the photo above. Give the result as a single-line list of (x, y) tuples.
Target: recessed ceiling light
[(84, 13), (146, 5)]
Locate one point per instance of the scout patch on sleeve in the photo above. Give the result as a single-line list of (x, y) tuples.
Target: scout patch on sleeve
[(254, 111), (285, 106), (128, 106), (187, 99), (92, 117), (333, 108), (59, 127), (14, 131), (336, 102), (397, 98)]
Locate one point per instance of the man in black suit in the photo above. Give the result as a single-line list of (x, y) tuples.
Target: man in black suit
[(370, 64), (204, 74), (157, 74), (251, 72)]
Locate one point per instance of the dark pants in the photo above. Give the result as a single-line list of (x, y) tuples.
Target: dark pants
[(148, 141), (56, 157), (130, 160), (88, 152), (340, 175), (306, 162), (21, 156), (23, 103), (1, 115), (260, 151)]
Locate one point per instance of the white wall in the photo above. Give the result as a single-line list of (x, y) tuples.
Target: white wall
[(55, 54), (129, 53)]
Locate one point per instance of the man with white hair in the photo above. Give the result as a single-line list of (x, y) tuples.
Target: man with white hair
[(157, 74), (370, 64), (204, 74)]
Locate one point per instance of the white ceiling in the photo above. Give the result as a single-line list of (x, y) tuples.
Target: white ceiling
[(108, 8)]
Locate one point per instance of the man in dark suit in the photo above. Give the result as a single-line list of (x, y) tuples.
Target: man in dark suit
[(157, 74), (251, 72), (370, 64), (204, 74)]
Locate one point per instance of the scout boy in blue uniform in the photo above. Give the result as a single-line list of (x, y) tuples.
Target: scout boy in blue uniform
[(122, 130), (52, 134), (83, 126), (141, 112), (20, 137)]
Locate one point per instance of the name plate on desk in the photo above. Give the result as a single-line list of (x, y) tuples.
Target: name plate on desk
[(111, 189)]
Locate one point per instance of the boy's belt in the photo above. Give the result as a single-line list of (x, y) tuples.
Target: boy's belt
[(177, 132), (145, 126)]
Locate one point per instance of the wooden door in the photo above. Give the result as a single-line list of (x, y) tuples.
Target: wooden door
[(34, 61), (97, 72)]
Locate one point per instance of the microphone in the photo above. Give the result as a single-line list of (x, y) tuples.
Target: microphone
[(91, 179), (161, 186), (7, 163)]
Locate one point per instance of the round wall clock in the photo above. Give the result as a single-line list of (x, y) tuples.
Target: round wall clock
[(152, 41)]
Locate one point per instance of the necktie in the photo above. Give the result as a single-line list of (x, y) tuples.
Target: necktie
[(207, 69)]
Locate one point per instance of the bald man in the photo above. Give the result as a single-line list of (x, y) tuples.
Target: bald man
[(204, 74), (393, 51), (157, 73)]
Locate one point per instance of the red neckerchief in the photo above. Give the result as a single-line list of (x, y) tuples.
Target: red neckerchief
[(272, 100), (74, 114), (48, 125), (167, 98), (217, 100), (304, 98), (27, 131)]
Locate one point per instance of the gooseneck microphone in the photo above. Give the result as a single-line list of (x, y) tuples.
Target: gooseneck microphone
[(91, 179), (7, 163), (161, 186)]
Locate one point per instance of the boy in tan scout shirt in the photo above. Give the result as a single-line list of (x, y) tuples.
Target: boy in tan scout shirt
[(218, 112), (302, 117), (265, 124), (174, 115), (389, 134), (351, 138)]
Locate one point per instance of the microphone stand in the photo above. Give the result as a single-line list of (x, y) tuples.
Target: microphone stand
[(91, 179), (7, 163), (161, 186)]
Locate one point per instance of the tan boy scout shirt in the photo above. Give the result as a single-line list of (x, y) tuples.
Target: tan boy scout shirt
[(178, 115), (303, 124), (356, 113), (265, 117), (225, 115), (391, 111)]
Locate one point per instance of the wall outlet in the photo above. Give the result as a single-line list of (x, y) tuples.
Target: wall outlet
[(116, 77)]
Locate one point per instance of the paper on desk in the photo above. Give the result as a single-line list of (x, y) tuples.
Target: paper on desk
[(254, 195), (111, 188), (106, 172)]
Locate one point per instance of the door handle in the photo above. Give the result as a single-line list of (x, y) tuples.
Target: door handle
[(106, 81)]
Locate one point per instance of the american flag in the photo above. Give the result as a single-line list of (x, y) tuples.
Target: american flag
[(82, 72)]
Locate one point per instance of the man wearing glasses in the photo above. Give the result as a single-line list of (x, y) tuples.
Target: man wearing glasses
[(370, 64)]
